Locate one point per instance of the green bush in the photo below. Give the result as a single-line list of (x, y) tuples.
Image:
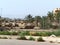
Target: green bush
[(43, 34), (4, 33), (31, 38), (22, 33), (40, 39), (8, 33), (57, 33), (14, 33), (48, 33), (27, 33), (22, 38)]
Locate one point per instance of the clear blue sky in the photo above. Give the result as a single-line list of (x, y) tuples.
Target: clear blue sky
[(21, 8)]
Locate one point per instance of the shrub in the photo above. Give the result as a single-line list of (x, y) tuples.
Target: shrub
[(40, 39), (8, 33), (27, 33), (0, 37), (4, 33), (43, 34), (22, 38), (51, 42), (36, 34), (10, 38), (57, 33), (14, 33), (3, 38), (22, 33), (49, 33), (31, 38), (32, 33)]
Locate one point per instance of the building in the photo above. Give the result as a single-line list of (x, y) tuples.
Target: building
[(55, 11)]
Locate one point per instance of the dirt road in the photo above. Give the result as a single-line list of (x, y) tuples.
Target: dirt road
[(22, 42)]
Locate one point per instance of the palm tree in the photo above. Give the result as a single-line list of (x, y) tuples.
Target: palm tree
[(50, 18), (37, 19), (58, 19), (44, 23), (29, 18)]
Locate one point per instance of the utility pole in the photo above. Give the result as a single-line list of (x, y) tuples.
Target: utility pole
[(0, 18), (1, 12)]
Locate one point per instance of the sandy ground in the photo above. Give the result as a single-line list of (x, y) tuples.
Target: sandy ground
[(48, 39), (22, 42)]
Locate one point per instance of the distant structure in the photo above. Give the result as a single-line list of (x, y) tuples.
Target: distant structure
[(55, 11)]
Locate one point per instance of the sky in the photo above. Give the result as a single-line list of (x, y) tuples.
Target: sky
[(21, 8)]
